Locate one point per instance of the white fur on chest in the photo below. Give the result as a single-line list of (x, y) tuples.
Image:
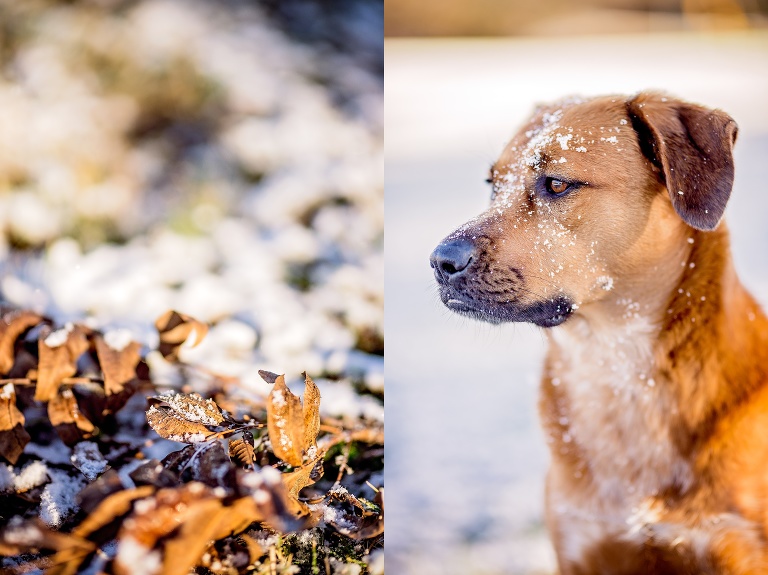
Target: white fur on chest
[(618, 410), (616, 413)]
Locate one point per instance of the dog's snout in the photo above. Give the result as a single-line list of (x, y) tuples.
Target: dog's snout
[(452, 257)]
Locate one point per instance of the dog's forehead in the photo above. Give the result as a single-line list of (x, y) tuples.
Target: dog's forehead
[(556, 131)]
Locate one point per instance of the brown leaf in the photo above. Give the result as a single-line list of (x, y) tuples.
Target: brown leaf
[(65, 416), (12, 325), (192, 407), (285, 423), (186, 520), (242, 452), (168, 424), (311, 413), (113, 507), (369, 524), (300, 478), (58, 359), (117, 364), (176, 329), (13, 436)]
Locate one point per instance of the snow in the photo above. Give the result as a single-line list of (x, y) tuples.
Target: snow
[(89, 460), (141, 559), (60, 336), (118, 339), (58, 500)]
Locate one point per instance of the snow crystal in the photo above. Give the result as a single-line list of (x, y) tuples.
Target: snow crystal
[(118, 339), (89, 460), (60, 336), (563, 140), (190, 410), (141, 560), (57, 501), (605, 282), (7, 391), (32, 475)]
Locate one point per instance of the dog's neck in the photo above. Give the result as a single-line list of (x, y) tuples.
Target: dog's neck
[(623, 392)]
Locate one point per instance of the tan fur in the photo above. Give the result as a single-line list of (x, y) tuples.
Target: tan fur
[(654, 396)]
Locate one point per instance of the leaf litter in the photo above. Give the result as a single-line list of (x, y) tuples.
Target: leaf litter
[(236, 495)]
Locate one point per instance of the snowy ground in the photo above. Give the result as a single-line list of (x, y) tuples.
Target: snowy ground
[(465, 456), (191, 156)]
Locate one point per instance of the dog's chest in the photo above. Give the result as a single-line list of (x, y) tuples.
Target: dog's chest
[(614, 412)]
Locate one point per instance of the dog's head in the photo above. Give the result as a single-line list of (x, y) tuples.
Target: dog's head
[(588, 193)]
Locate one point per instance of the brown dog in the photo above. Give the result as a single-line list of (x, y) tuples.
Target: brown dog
[(604, 227)]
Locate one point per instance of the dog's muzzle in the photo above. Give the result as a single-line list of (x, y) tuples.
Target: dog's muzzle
[(473, 285)]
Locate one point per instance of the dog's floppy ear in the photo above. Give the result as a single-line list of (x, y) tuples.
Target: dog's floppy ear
[(693, 148)]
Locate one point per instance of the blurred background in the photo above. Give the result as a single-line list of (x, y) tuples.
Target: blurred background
[(221, 158), (466, 460)]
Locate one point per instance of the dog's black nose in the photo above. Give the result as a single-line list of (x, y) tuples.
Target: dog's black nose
[(452, 257)]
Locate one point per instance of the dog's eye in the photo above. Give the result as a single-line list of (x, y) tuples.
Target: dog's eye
[(557, 187)]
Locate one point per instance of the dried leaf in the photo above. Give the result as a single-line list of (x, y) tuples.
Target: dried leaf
[(58, 359), (192, 407), (117, 363), (168, 424), (311, 413), (370, 524), (300, 478), (13, 436), (176, 329), (268, 376), (186, 519), (285, 423), (65, 416), (242, 452), (213, 466), (12, 325), (113, 507)]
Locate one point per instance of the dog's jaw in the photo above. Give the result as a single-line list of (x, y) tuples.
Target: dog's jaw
[(546, 314)]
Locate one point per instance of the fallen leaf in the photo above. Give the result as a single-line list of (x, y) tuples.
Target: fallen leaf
[(12, 325), (311, 413), (118, 365), (66, 418), (13, 436), (58, 359), (192, 407), (242, 452), (170, 425), (300, 478), (285, 423), (176, 329)]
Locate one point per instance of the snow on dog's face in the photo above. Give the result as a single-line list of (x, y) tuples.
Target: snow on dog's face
[(576, 203)]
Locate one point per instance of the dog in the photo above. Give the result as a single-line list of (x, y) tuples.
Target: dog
[(605, 228)]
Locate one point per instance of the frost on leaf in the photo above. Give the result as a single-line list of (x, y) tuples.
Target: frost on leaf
[(118, 365), (285, 423), (192, 407), (176, 329), (12, 325), (58, 359), (170, 425), (13, 436), (66, 418)]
